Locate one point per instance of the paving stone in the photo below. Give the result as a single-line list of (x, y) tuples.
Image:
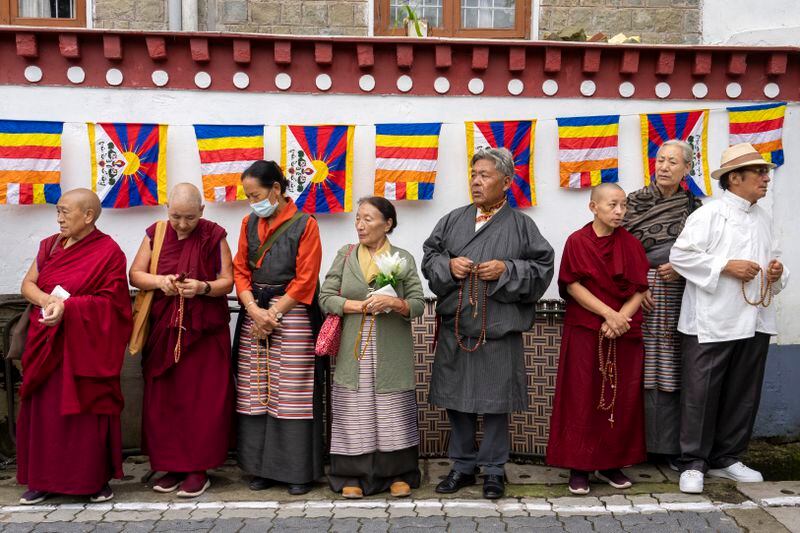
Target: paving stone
[(227, 525), (342, 525), (679, 497), (756, 520), (131, 516), (374, 525), (469, 508), (490, 525), (538, 507), (258, 525), (419, 522), (649, 522), (605, 523), (18, 528), (644, 473), (88, 515), (617, 503), (63, 527), (581, 505), (291, 510), (184, 525), (787, 490), (722, 523), (461, 523), (511, 507), (399, 509), (109, 527), (205, 514), (644, 503), (176, 514), (671, 475), (144, 526), (788, 516), (533, 522), (575, 524), (535, 474), (418, 529), (62, 515), (17, 517), (429, 508), (438, 470), (238, 512)]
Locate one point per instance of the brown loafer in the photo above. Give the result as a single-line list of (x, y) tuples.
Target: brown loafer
[(400, 489), (352, 493)]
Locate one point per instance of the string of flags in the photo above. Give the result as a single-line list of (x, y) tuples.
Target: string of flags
[(128, 160)]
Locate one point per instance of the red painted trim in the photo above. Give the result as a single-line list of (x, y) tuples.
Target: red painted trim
[(345, 59)]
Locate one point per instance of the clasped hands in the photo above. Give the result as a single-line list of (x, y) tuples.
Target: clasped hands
[(616, 325), (188, 288), (52, 311), (745, 270), (264, 320), (460, 267), (381, 303)]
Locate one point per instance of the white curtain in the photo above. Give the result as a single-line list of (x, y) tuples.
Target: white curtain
[(35, 9)]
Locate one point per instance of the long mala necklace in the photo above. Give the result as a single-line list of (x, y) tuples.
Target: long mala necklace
[(177, 351), (258, 369), (472, 279), (358, 350), (764, 290), (608, 373)]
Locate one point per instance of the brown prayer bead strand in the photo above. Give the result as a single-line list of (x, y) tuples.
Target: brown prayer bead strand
[(358, 350), (177, 351), (258, 370), (765, 291), (473, 280), (608, 373)]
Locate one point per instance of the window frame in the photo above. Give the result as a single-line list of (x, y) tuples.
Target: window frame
[(451, 17), (9, 14)]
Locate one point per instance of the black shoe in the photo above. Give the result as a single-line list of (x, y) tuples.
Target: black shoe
[(298, 489), (493, 486), (261, 483), (454, 482)]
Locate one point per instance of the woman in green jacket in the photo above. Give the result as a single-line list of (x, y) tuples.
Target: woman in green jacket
[(374, 434)]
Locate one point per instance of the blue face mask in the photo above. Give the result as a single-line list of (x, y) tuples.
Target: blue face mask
[(264, 208)]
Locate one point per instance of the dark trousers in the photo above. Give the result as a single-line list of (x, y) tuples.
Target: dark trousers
[(493, 452), (720, 392)]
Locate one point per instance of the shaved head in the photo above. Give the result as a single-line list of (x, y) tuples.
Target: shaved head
[(600, 191), (83, 199), (185, 194)]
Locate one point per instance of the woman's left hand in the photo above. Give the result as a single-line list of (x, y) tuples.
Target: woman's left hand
[(667, 273), (189, 288), (380, 303)]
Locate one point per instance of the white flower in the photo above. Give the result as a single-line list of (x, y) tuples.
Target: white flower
[(390, 265)]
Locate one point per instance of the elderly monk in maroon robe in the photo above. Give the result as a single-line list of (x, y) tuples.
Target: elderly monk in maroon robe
[(188, 385), (598, 412), (69, 439)]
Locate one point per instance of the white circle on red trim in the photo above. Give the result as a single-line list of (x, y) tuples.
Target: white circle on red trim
[(76, 75), (404, 83), (626, 89), (700, 90), (241, 80), (323, 82), (160, 78), (475, 86), (366, 83), (441, 85), (733, 90), (202, 79), (663, 89), (33, 74), (515, 87), (550, 87), (283, 81), (114, 76), (588, 87), (771, 90)]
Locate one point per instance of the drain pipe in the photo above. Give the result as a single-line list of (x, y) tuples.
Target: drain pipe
[(189, 15), (174, 15)]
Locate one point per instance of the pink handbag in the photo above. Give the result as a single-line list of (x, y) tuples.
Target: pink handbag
[(330, 334)]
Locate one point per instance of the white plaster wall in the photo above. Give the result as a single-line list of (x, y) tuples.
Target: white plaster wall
[(558, 214), (766, 22)]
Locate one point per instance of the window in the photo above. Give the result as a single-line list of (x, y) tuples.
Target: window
[(457, 18), (71, 13)]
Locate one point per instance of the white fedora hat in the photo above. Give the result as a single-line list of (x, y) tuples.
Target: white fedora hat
[(738, 156)]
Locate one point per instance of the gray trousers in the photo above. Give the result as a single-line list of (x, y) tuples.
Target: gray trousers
[(720, 392), (493, 452)]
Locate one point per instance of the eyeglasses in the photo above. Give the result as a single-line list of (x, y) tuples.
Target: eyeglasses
[(763, 171)]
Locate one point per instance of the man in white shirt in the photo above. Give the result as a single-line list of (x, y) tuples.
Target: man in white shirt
[(728, 256)]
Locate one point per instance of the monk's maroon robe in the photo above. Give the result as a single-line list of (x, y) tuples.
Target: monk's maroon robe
[(69, 439), (612, 268), (188, 405)]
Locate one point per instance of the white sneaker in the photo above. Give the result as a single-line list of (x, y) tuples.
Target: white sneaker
[(691, 482), (738, 472)]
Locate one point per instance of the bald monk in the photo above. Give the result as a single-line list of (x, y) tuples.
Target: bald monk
[(188, 387), (598, 412), (69, 439)]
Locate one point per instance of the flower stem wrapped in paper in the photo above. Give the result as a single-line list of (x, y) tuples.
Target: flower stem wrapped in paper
[(390, 266)]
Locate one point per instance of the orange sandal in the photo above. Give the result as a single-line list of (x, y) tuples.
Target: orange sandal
[(352, 493)]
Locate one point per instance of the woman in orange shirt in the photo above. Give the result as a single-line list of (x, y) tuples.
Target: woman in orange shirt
[(279, 380)]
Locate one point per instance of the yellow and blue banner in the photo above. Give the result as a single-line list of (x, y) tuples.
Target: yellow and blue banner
[(30, 162), (760, 125), (226, 152), (587, 151), (406, 158)]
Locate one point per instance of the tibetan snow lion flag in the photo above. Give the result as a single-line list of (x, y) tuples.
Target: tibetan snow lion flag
[(517, 136), (405, 160), (226, 152), (587, 150), (760, 125), (318, 162), (129, 163), (30, 162), (689, 126)]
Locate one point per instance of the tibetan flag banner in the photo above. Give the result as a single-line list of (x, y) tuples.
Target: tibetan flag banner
[(318, 162), (517, 136), (30, 162), (129, 163), (406, 156), (225, 152), (760, 125), (689, 126), (587, 150)]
